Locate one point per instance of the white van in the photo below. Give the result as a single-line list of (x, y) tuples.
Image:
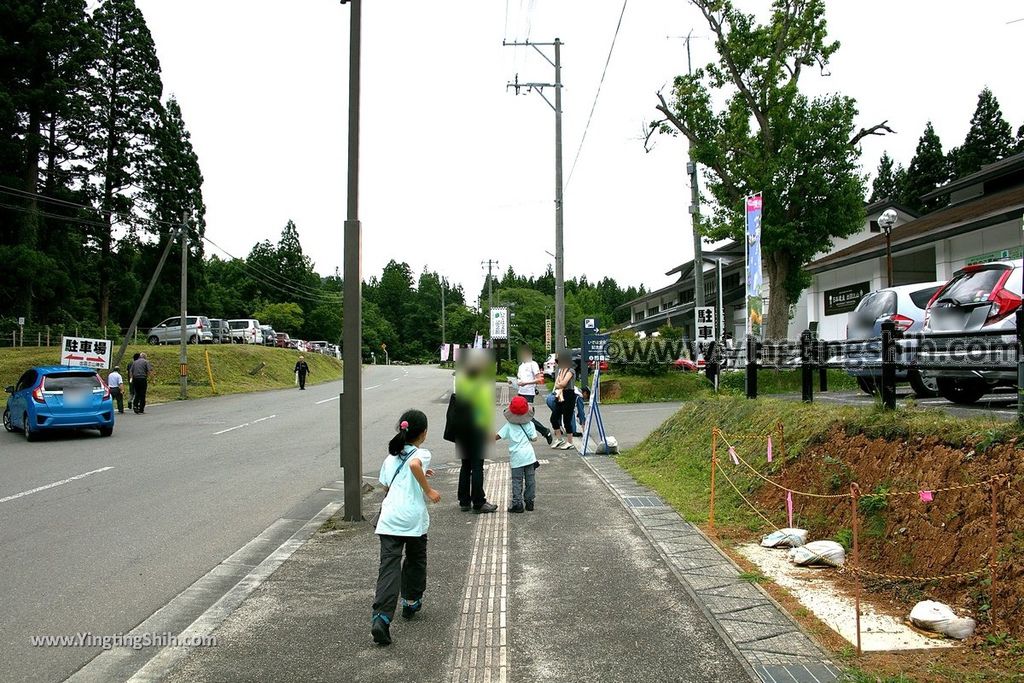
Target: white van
[(246, 331)]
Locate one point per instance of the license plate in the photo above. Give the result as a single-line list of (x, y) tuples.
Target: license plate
[(74, 398)]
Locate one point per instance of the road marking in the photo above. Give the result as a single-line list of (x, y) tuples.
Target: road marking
[(375, 386), (481, 643), (328, 400), (246, 424), (396, 379), (54, 484)]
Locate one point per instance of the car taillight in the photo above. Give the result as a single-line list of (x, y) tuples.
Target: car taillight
[(928, 308), (903, 323), (1004, 302), (106, 389), (37, 394)]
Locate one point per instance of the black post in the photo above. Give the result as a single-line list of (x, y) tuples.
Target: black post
[(888, 388), (752, 349), (1020, 367), (806, 368), (821, 356)]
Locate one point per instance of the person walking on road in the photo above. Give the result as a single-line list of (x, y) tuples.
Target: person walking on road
[(114, 383), (529, 376), (470, 424), (141, 371), (519, 432), (131, 387), (402, 525), (301, 370), (565, 401)]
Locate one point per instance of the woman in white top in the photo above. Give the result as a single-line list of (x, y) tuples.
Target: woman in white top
[(403, 525)]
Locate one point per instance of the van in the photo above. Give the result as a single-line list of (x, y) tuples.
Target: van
[(198, 331), (246, 331)]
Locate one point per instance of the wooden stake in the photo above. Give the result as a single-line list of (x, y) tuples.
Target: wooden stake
[(854, 493), (993, 553), (714, 463)]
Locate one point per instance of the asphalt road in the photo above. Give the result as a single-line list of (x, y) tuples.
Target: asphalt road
[(164, 500), (999, 405)]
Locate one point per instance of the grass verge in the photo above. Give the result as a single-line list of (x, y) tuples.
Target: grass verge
[(235, 368), (685, 386)]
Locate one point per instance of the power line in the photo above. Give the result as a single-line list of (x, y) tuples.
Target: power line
[(597, 94)]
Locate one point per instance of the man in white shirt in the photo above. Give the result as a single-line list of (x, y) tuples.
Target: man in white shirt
[(115, 383), (529, 377)]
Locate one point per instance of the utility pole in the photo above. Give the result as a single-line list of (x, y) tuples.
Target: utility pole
[(145, 299), (183, 351), (557, 108), (691, 170), (490, 263), (351, 403)]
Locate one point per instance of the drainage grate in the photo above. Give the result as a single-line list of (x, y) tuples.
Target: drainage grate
[(643, 501), (796, 673)]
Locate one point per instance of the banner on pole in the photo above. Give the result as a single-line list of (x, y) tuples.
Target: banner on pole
[(499, 323), (755, 278)]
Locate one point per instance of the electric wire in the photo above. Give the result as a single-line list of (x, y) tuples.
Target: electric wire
[(597, 95)]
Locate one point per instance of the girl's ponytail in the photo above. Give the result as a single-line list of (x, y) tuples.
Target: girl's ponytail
[(411, 426)]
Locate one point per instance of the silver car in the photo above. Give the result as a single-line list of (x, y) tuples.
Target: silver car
[(198, 331), (905, 306), (979, 298)]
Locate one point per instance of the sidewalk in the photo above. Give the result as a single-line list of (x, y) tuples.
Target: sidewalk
[(571, 592)]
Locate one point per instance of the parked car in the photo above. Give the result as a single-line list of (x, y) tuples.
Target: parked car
[(316, 346), (220, 330), (246, 331), (282, 340), (905, 306), (58, 397), (269, 335), (198, 330), (978, 297)]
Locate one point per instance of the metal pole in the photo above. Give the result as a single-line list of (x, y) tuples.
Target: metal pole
[(444, 339), (351, 403), (183, 349), (691, 171), (888, 257), (559, 241), (133, 328), (888, 389), (806, 367), (721, 304)]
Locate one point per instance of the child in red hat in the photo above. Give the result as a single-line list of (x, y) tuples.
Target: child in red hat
[(520, 432)]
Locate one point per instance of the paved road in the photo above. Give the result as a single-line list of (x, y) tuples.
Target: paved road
[(167, 498), (999, 405)]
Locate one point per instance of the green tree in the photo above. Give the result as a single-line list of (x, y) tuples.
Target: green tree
[(768, 136), (928, 170), (124, 101), (324, 322), (889, 181), (989, 138), (282, 317)]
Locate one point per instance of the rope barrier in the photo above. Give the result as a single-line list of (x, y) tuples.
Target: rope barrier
[(923, 579), (774, 483)]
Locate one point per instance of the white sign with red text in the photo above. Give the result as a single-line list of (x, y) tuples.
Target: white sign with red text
[(85, 352)]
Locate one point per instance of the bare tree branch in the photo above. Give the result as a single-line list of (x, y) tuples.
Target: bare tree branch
[(719, 170), (877, 129)]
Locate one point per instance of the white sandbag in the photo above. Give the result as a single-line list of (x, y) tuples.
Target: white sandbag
[(818, 553), (939, 618), (612, 448), (788, 537)]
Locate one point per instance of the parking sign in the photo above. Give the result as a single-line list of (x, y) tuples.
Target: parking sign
[(705, 326), (85, 352)]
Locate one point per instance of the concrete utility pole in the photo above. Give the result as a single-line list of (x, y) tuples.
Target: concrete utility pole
[(183, 351), (557, 107), (691, 170), (351, 403)]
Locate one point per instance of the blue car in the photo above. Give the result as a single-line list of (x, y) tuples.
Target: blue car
[(59, 398)]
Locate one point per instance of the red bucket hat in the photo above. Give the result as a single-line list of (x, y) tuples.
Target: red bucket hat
[(519, 411)]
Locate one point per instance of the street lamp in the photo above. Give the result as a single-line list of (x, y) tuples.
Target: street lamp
[(886, 221)]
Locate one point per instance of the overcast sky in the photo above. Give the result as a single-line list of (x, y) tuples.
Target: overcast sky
[(456, 170)]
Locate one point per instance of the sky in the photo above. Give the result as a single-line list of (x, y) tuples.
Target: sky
[(455, 169)]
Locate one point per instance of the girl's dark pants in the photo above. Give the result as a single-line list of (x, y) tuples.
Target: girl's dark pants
[(471, 474), (409, 577)]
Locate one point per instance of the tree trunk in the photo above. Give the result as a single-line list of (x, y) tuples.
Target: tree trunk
[(778, 265)]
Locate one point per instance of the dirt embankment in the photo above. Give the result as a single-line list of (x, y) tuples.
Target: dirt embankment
[(905, 536)]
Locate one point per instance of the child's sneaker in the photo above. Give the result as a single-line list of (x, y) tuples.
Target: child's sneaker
[(529, 506), (380, 628), (516, 508), (409, 609)]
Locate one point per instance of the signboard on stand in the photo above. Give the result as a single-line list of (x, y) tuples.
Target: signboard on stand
[(85, 352), (499, 323)]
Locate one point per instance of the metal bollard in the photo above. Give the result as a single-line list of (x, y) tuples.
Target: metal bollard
[(888, 388), (806, 368), (821, 351), (752, 350)]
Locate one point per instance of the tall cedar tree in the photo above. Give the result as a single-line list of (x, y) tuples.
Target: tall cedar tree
[(802, 153), (928, 170), (889, 180), (989, 139), (124, 100)]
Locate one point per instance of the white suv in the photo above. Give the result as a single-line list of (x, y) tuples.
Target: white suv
[(246, 331)]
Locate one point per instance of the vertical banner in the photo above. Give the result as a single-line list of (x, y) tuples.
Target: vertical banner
[(755, 279)]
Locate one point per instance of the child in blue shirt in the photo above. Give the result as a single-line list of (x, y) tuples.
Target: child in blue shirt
[(519, 432), (403, 525)]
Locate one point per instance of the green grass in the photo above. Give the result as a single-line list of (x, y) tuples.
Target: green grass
[(675, 459), (684, 386), (231, 364)]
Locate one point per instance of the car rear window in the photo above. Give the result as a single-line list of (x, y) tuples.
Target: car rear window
[(972, 285), (922, 296), (874, 305), (239, 324), (62, 381)]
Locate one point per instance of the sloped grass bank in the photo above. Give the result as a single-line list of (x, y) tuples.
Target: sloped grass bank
[(685, 386), (236, 368)]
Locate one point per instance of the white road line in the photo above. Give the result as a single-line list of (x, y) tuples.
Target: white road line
[(230, 429), (328, 400), (53, 485), (375, 386), (268, 417), (396, 379)]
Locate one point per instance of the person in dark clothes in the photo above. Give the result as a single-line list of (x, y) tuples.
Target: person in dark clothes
[(141, 371), (131, 387), (474, 398), (302, 369)]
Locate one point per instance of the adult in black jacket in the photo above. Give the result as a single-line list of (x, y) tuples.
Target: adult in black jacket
[(302, 369)]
